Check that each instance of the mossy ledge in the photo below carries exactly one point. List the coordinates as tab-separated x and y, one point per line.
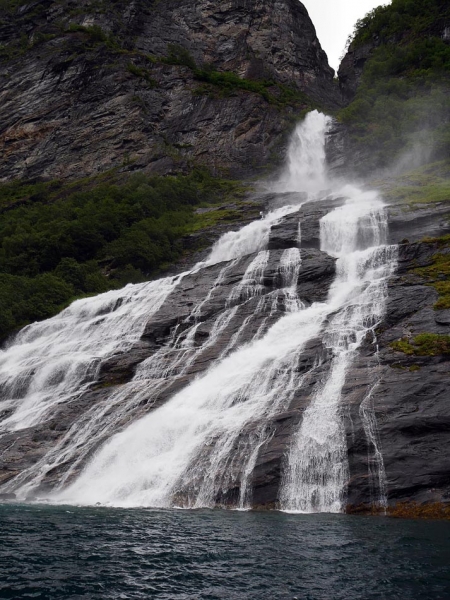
437	274
425	344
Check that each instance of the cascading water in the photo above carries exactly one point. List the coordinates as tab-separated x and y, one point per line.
306	161
53	361
204	441
355	233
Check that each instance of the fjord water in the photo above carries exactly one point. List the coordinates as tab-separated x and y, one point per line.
59	553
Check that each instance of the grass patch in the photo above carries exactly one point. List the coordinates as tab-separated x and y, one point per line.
425	344
438	273
214	217
428	184
421	194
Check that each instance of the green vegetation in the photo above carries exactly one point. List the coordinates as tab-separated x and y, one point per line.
411	369
438	273
179	56
425	185
96	36
142	73
93	34
11	5
210	218
413	16
425	344
62	241
403	99
224	83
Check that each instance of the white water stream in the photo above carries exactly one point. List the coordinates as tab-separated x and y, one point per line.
206	439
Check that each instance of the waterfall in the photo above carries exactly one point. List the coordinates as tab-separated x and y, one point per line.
54	361
355	233
200	447
305	169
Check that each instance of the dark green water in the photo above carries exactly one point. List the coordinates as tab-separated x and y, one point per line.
101	553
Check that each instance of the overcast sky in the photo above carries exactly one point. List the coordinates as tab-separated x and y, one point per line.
334	21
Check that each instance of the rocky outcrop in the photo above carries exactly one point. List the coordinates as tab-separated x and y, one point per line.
286	233
405	399
395	406
97	87
352	66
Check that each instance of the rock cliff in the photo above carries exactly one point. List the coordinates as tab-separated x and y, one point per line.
154	86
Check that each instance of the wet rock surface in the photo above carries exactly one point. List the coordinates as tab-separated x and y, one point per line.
403	399
286	233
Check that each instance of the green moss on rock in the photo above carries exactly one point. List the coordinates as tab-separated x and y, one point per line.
425	344
437	274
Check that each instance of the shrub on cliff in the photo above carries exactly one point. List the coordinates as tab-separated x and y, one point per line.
403	98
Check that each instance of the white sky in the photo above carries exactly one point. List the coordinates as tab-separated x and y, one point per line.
334	21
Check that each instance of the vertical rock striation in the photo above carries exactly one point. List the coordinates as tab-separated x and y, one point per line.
99	86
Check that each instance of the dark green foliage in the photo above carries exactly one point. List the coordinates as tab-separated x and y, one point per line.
96	36
179	56
230	81
59	241
402	16
403	99
142	73
223	83
23	299
95	32
437	273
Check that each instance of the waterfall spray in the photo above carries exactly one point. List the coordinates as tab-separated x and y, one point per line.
305	170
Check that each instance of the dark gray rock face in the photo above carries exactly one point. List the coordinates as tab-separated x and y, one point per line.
87	91
347	158
287	234
352	66
395	406
414	224
406	397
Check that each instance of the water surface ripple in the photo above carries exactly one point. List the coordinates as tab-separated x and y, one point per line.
102	553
